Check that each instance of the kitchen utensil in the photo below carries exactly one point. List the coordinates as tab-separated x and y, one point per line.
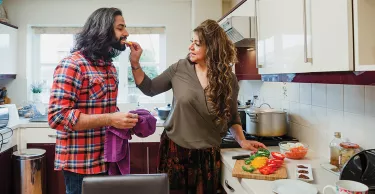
361	168
266	122
163	112
238	172
290	186
239	157
349	187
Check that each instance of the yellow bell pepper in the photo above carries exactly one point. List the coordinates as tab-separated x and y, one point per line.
259	162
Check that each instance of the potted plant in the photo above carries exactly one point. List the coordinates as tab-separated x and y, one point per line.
36	89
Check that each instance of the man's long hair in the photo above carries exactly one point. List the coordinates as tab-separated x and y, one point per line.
94	41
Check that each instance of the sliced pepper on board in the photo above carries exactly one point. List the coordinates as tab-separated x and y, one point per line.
251	169
263	152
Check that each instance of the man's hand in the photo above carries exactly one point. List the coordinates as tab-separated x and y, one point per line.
122	120
135	54
251	145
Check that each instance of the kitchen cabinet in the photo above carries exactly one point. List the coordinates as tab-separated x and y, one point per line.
8	49
6	174
144	157
144	153
246	68
300	36
55	179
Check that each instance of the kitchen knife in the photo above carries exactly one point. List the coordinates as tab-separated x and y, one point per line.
240	157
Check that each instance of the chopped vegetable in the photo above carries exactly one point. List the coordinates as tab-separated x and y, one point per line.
251	169
263	152
278	155
296	153
266	170
259	162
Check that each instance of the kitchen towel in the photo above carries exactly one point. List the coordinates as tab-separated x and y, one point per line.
116	146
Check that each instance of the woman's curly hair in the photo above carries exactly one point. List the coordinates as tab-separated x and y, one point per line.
220	56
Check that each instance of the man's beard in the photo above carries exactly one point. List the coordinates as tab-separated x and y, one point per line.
116	48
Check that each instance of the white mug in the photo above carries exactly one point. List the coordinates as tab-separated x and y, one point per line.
347	187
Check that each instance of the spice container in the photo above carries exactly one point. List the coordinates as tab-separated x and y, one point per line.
346	152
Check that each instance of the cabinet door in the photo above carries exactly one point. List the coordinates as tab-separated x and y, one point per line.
152	159
284	44
138	156
55	179
332	35
8	49
364	31
6	174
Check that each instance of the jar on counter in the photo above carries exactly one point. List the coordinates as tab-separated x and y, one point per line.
346	152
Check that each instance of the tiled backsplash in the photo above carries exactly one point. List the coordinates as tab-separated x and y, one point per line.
316	111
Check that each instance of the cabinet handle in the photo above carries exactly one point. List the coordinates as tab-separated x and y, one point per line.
52	136
307	60
148	161
257	36
228	186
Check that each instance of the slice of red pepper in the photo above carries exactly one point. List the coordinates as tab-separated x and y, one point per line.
266	170
278	155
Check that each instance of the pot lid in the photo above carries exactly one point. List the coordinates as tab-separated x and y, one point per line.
26	154
263	110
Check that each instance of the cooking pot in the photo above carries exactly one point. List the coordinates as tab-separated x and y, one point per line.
163	112
266	122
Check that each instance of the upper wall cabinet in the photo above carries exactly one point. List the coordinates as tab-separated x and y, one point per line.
8	49
299	36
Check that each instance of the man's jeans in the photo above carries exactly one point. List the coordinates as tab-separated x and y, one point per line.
73	181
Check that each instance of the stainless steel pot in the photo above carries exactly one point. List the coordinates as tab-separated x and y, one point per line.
266	122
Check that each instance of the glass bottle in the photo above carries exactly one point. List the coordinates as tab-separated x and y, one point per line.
335	149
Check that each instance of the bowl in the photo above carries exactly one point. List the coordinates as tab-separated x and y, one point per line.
293	149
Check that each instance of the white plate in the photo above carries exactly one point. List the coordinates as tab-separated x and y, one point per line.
291	186
309	169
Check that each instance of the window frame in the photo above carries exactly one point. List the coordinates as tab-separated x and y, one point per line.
36	73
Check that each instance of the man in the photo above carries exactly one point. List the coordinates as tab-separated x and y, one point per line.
83	98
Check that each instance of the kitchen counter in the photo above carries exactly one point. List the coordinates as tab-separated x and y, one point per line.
25	123
252	186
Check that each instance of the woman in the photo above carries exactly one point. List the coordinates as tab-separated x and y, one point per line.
204	106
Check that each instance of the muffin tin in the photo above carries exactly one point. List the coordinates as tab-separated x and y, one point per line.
304	172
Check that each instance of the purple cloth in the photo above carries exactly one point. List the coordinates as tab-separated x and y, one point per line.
116	146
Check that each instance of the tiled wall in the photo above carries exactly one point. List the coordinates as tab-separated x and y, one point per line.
316	111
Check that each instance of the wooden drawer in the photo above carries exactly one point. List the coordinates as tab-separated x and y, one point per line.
229	183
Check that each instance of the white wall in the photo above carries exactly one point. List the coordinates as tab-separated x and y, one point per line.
205	9
175	15
316	111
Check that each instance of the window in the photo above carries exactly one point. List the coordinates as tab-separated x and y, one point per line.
50	45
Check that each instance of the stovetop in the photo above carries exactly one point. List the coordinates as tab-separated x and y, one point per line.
229	142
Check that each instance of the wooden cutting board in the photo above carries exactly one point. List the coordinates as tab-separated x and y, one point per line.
237	171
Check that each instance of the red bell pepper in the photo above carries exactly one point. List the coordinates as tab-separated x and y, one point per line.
266	170
278	155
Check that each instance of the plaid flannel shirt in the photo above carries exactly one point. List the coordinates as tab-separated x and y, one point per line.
81	86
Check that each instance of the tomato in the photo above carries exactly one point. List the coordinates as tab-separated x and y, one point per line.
278	155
